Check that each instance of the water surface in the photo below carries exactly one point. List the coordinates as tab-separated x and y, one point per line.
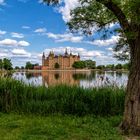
83	79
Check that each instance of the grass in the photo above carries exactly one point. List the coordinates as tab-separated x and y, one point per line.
58	127
15	96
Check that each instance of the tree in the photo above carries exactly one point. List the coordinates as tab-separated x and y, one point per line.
79	65
22	67
118	66
126	66
110	67
90	64
29	65
7	65
17	67
1	63
101	67
125	12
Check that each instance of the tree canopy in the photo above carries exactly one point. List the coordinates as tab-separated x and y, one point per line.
5	64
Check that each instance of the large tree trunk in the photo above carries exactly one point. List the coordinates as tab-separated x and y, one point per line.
131	119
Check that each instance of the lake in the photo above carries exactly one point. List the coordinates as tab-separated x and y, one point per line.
84	79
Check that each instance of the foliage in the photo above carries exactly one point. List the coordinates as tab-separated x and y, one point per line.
110	66
101	67
16	96
79	64
22	67
118	66
1	64
58	127
29	65
5	64
126	66
90	64
114	67
17	67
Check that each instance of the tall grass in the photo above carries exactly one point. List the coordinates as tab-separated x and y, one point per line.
15	96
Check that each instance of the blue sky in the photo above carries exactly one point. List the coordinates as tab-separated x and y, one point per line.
28	28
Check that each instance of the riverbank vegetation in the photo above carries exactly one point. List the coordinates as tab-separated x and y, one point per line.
15	96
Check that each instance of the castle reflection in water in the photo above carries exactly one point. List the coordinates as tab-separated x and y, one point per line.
57	78
82	79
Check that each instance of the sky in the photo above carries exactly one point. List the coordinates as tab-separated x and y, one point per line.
28	28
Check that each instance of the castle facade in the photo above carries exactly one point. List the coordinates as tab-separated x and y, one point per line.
53	61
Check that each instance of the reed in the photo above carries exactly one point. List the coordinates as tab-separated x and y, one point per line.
16	96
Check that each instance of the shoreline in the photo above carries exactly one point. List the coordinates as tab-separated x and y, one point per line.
76	70
67	70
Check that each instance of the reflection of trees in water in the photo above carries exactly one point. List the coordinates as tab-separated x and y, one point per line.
119	74
92	75
79	76
29	75
83	76
22	73
112	74
56	75
101	72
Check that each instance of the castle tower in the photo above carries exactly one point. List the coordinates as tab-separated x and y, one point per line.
43	59
70	53
78	55
66	52
51	54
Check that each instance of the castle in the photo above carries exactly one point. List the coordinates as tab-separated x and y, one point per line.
59	61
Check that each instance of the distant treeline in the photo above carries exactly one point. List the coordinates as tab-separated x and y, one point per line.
125	66
92	65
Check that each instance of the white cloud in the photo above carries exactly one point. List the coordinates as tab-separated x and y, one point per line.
112	41
17	35
26	27
8	42
2	32
40	30
65	37
109	49
23	43
20	52
68	6
2	55
2	2
11	42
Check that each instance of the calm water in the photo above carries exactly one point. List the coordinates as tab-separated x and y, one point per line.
83	79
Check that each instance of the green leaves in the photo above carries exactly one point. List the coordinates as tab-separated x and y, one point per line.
89	15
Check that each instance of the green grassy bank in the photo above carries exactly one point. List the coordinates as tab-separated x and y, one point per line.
15	96
52	127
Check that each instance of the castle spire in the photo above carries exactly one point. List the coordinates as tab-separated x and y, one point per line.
43	56
78	55
70	52
66	52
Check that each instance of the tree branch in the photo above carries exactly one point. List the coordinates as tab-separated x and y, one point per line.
118	13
